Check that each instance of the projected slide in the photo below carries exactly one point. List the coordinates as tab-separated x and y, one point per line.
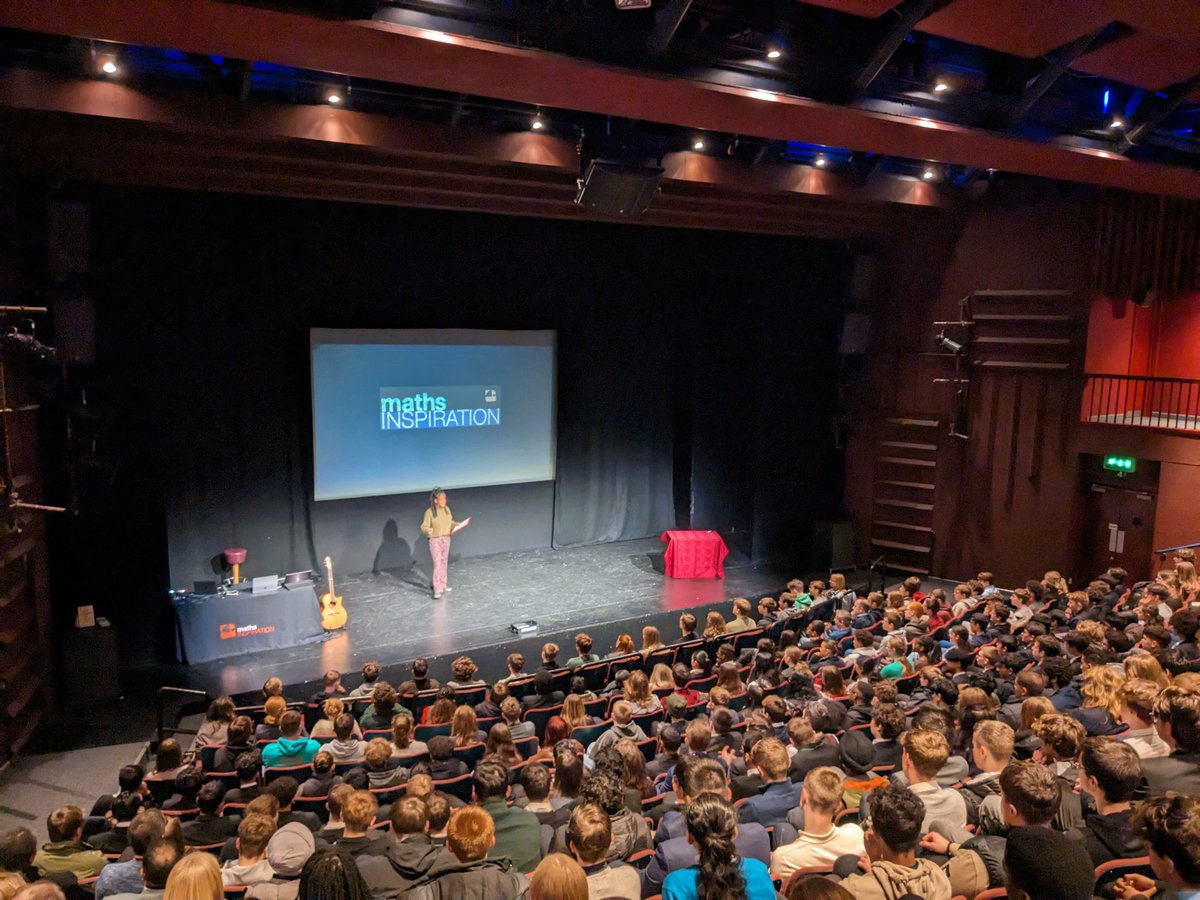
397	412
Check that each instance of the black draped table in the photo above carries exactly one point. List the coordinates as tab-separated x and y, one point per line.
215	626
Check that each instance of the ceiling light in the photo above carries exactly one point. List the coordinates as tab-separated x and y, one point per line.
698	145
774	53
941	86
821	161
1117	123
538	123
109	67
107	64
929	174
334	98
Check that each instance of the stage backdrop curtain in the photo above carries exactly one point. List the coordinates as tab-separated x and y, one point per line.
616	392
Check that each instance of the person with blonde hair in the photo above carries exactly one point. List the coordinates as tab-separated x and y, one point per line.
331	709
1101	706
195	877
1054	583
574	713
558	877
273	710
820	842
403	745
464	727
637	692
651	640
661	678
742	620
1137	696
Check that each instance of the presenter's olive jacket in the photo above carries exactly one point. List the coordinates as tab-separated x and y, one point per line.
437	526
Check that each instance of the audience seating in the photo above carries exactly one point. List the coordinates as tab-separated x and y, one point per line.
459	787
597	675
1109	872
539	716
586	734
471	753
424	732
299	772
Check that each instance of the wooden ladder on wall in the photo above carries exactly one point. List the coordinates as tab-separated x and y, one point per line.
905	485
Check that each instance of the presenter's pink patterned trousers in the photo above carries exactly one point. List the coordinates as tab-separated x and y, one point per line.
439	548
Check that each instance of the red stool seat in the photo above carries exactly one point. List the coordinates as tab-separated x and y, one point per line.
235	556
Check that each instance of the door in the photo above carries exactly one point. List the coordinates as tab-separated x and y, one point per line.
1118	531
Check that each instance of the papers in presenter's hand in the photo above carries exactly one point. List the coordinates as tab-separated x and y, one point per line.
461	525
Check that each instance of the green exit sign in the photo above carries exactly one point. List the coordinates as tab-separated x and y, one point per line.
1120	463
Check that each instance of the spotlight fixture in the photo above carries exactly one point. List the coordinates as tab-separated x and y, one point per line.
929	174
1117	123
538	122
774	53
941	86
106	64
820	162
333	98
108	67
945	343
698	144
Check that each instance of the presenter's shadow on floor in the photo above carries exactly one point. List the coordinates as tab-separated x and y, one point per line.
406	563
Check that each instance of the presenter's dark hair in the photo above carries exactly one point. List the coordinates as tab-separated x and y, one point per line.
433	495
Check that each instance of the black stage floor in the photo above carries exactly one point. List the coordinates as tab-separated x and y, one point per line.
604	589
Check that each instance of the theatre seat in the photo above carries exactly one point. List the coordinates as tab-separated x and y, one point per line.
586	734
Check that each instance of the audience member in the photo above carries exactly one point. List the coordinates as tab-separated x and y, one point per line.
711	829
515	829
820	842
471	869
66	851
892	866
589	839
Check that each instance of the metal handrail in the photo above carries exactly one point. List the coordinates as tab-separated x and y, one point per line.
161	728
1163	551
1142	401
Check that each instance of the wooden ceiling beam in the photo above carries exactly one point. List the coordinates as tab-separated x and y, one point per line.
414	56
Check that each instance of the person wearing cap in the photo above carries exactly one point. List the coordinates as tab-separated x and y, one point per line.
857	757
287	851
676	707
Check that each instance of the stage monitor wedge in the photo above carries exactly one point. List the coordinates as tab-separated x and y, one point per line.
618	189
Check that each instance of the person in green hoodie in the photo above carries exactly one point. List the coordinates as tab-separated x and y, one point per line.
66	851
291	749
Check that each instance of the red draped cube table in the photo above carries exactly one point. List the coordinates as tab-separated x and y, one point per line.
695	554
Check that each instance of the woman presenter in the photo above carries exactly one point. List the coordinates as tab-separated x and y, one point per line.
437	525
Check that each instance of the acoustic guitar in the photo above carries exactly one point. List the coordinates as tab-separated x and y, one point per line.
333	614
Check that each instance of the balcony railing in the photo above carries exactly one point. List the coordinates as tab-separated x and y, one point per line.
1138	401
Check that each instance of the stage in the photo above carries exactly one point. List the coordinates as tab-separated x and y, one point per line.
603	589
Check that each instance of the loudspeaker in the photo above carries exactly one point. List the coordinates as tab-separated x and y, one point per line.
856	334
74	327
615	189
862	276
68	239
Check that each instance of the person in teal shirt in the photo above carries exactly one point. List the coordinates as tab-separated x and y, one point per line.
292	748
711	829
